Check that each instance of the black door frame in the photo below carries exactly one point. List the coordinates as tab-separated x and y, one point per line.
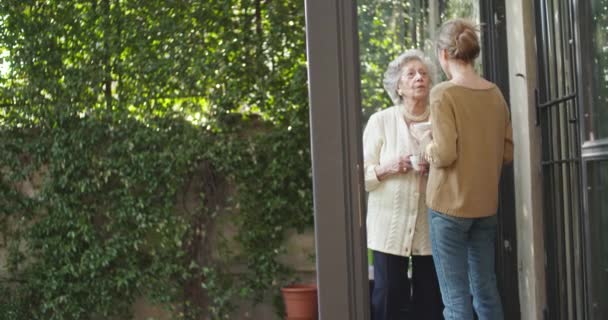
493	16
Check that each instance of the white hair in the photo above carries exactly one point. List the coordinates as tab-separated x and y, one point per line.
393	72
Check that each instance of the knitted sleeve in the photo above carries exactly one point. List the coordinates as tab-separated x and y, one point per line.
373	139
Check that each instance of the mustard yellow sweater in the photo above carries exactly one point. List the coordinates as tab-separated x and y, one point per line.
472	139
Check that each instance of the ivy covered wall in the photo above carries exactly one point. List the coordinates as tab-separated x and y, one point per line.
110	112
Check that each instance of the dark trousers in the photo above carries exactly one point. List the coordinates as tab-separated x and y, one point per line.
396	297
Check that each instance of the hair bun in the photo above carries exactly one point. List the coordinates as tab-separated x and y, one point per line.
467	45
459	38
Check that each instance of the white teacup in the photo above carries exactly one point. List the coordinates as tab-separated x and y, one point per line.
415	160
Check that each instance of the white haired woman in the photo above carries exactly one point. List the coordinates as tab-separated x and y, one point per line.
397	228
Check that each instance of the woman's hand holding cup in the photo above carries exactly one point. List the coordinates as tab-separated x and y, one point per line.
396	166
399	165
418	163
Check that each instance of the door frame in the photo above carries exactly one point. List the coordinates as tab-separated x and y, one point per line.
336	148
493	17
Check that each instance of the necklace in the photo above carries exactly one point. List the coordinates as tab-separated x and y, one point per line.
415	117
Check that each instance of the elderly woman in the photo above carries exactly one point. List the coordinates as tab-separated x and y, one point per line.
397	227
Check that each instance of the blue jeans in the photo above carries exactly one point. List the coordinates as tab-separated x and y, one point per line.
463	251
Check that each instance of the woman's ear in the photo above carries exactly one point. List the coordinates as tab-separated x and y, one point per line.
443	54
399	91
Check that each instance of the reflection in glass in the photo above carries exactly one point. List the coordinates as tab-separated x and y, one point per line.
389	27
597	125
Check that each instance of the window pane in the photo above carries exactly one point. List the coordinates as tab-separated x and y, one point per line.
597	124
598	214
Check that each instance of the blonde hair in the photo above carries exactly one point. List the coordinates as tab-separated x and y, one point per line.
459	37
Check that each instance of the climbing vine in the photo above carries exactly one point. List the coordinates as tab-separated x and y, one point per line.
129	130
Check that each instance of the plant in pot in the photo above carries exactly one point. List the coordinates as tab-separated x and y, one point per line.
299	289
300	301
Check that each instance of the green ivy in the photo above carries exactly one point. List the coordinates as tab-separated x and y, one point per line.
386	29
124	125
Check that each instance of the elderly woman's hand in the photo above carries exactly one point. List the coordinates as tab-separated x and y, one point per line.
424	166
399	165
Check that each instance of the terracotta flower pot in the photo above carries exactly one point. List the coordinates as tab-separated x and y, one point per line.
300	301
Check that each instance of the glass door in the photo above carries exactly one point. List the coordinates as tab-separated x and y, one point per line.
594	50
333	43
389	27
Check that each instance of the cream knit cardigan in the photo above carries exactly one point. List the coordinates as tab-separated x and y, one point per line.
396	211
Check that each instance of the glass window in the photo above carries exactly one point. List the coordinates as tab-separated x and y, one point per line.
597	118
